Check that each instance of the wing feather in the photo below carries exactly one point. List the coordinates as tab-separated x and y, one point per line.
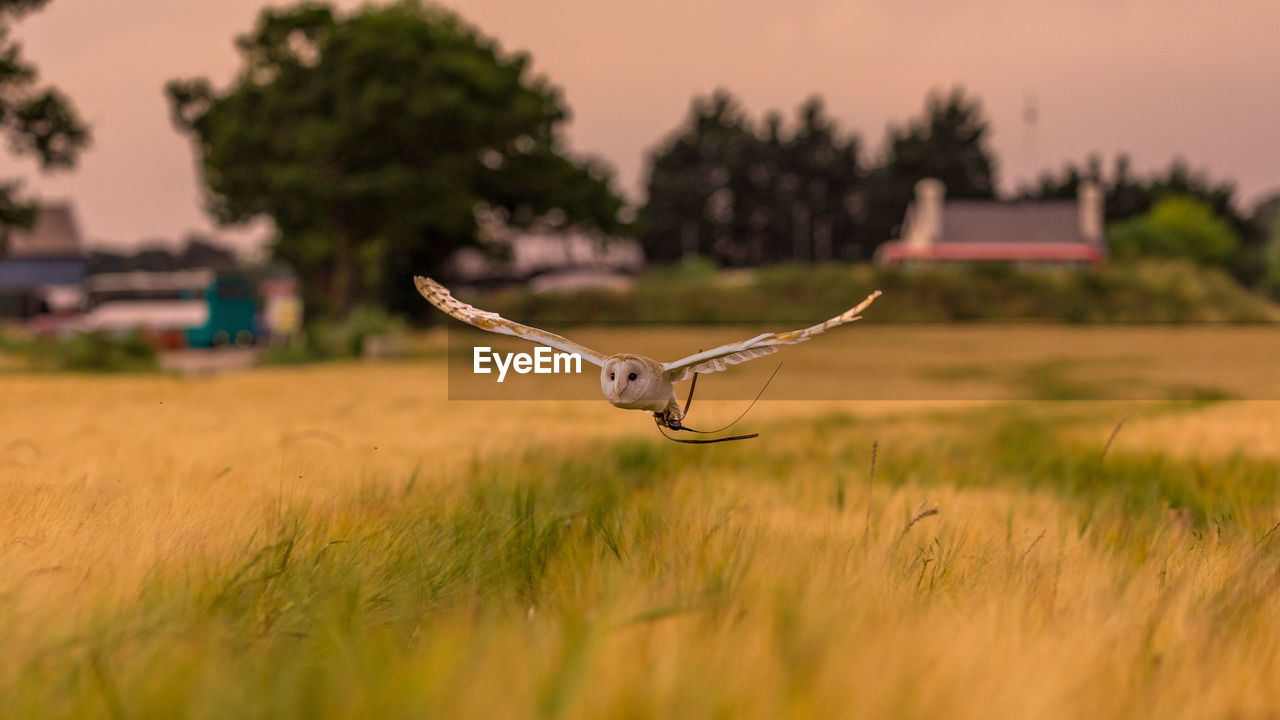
438	295
717	359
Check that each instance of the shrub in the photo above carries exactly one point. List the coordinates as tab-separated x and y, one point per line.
1177	227
94	352
11	343
328	340
1271	259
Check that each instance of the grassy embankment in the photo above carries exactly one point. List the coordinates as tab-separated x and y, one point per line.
1149	291
341	541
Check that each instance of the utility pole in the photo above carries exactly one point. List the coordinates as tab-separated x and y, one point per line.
1030	151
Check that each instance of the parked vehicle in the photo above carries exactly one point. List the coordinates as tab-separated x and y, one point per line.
193	308
230	317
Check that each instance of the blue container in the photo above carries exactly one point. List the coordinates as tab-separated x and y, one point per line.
232	314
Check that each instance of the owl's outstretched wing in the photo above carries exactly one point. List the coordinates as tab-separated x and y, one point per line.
438	295
719	358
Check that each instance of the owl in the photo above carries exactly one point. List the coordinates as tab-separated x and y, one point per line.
636	382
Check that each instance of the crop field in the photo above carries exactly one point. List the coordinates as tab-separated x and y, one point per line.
342	540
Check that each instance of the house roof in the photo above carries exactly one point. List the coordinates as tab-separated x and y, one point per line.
984	230
24	273
977	221
54	234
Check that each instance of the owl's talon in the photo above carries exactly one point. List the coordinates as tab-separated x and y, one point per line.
666	420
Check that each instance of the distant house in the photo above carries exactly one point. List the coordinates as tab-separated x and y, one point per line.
41	268
1043	233
545	260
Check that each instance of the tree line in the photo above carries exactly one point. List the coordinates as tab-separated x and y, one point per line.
375	139
746	193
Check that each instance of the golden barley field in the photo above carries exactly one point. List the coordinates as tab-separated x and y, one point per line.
341	540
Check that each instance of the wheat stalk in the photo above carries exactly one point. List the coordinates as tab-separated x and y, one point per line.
866	528
917	515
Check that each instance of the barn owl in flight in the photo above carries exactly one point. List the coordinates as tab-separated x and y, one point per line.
636	382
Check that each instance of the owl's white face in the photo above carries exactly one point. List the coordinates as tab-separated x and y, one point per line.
627	380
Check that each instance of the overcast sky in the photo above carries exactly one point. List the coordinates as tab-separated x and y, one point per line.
1155	78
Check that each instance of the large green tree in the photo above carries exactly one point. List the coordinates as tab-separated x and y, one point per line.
38	120
825	177
696	179
722	186
373	139
950	141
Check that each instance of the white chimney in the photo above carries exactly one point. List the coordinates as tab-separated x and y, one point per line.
926	218
1091	210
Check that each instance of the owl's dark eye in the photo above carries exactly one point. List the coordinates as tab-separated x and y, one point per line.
610	376
632	376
